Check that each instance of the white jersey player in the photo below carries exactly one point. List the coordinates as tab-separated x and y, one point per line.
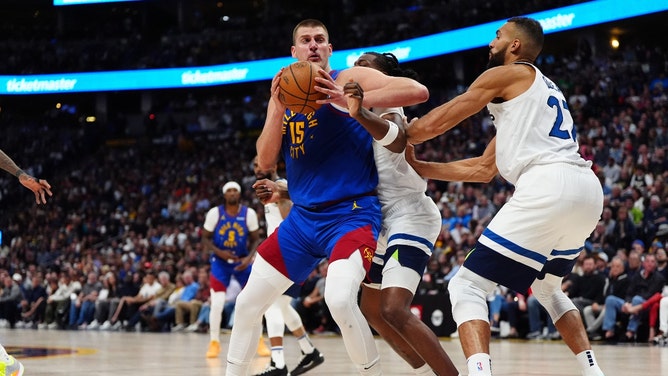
411	224
534	240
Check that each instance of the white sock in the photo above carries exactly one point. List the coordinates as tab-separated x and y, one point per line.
277	356
423	370
305	344
479	364
588	363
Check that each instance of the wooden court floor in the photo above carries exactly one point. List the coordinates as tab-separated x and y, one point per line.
90	353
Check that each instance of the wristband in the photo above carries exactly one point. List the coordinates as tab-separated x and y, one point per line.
391	135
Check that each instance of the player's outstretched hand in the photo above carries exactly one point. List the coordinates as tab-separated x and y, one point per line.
354	97
267	191
40	187
328	86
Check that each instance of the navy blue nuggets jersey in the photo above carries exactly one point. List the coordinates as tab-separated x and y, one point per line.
328	137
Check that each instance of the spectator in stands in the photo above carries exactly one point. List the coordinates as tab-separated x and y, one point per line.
154	305
509	305
662	262
616	285
587	288
432	280
129	305
58	303
653	216
82	309
33	305
107	301
612	171
633	263
193	306
624	231
643	285
165	318
10	298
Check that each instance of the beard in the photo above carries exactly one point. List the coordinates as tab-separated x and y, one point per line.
496	59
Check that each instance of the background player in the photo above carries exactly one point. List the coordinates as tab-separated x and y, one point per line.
40	187
231	233
534	240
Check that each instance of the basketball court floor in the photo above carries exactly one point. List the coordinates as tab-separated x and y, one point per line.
91	353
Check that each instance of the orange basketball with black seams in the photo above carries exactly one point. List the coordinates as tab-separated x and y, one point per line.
297	87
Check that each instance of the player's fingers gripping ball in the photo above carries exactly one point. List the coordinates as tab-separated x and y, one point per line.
297	87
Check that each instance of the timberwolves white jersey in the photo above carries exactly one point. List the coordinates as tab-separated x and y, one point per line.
272	215
534	128
396	178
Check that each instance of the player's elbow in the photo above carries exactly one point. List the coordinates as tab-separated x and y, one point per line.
421	94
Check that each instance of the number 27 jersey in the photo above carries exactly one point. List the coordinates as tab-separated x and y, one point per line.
534	128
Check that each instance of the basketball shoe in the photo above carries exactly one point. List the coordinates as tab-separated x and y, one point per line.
307	362
271	370
11	367
214	349
262	349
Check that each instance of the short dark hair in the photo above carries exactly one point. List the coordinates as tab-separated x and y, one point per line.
309	22
533	30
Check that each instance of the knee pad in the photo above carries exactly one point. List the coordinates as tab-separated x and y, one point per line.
468	296
549	294
346	275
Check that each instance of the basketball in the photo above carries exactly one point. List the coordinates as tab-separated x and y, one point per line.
297	87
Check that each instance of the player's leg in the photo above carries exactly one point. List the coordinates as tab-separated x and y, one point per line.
567	320
579	209
497	258
412	225
311	357
264	286
401	277
370	304
347	275
219	279
273	318
468	295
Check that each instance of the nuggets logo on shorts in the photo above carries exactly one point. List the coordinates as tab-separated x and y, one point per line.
367	254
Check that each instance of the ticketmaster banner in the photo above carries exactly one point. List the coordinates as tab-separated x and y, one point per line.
555	20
